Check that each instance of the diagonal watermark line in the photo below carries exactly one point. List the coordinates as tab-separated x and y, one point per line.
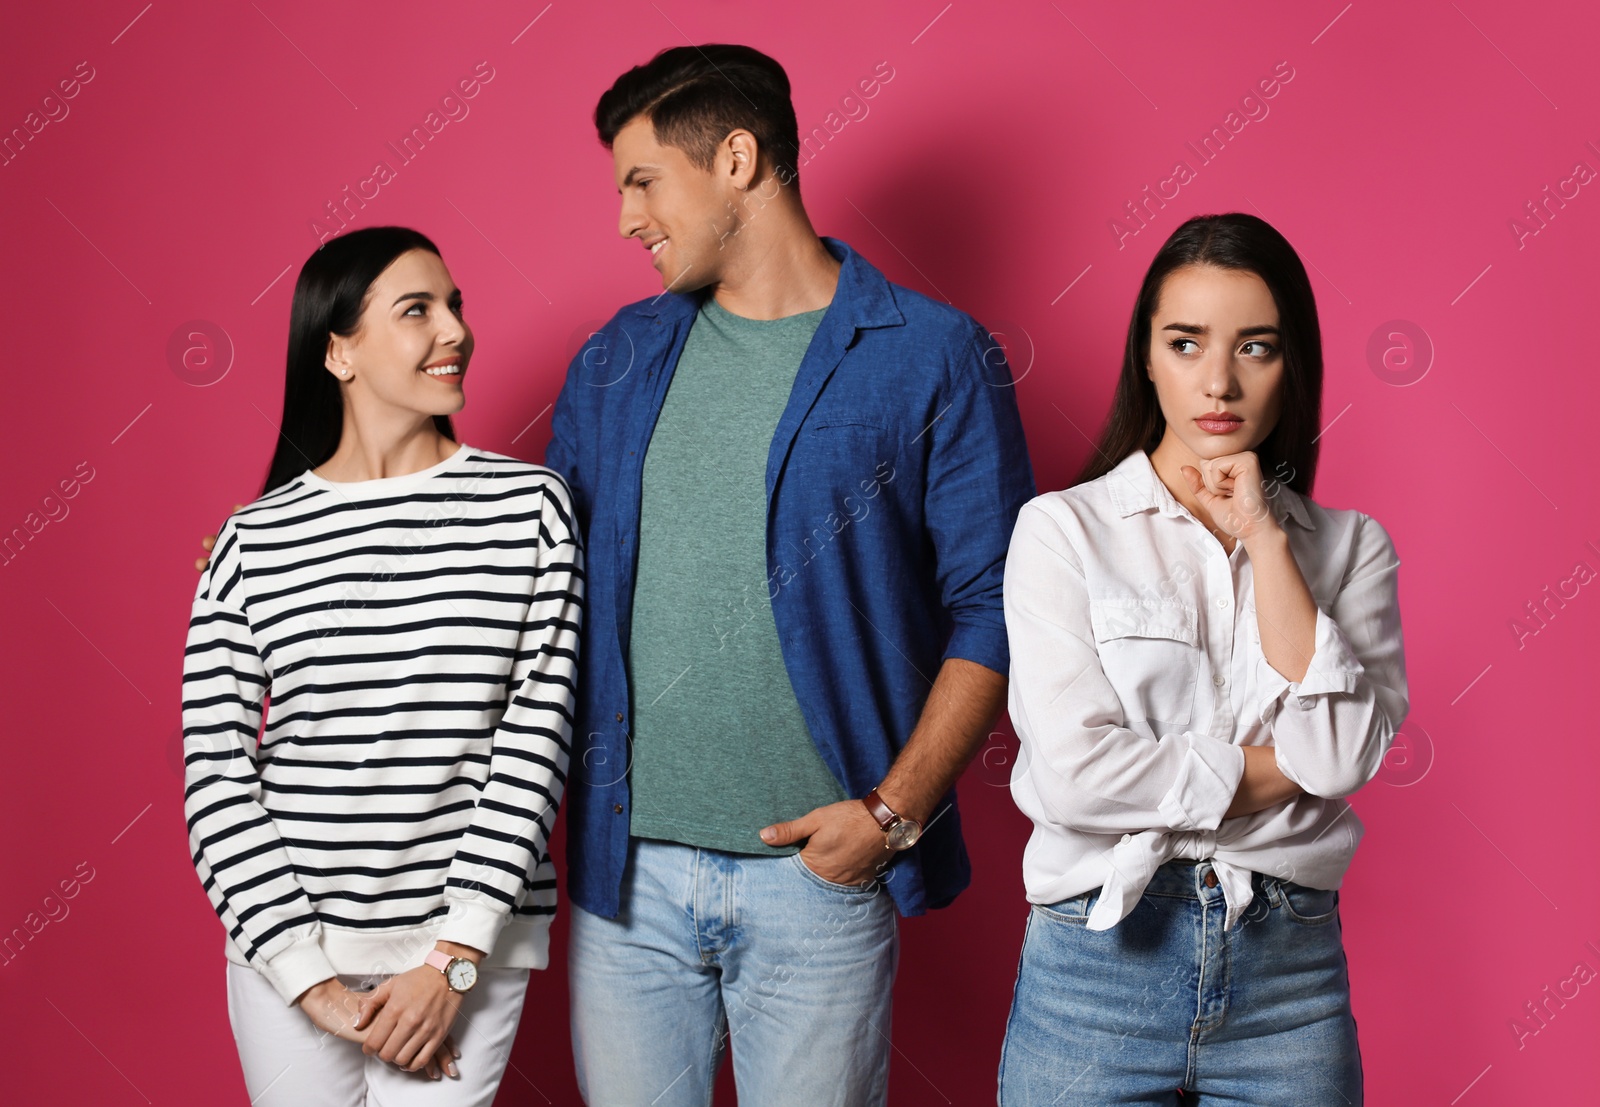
274	281
932	21
1468	688
303	54
702	53
535	19
96	1048
931	422
497	249
879	1031
889	640
136	19
1307	260
664	291
129	827
1331	825
1092	443
675	680
897	250
687	1069
1069	287
1504	854
509	1063
99	251
97	649
1331	22
1102	53
1468	1088
1503	54
1325	277
270	1083
529	427
1502	453
1334	420
135	419
1475	280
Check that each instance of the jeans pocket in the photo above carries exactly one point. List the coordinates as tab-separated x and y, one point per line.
1074	911
1309	906
848	889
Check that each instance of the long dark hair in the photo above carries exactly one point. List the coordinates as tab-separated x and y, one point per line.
328	299
1231	241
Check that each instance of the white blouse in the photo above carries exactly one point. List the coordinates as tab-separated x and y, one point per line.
1137	673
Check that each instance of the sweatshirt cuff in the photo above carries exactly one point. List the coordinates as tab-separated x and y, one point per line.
1207	780
473	924
297	968
1334	667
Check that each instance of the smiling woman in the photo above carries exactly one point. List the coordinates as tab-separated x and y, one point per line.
372	309
376	845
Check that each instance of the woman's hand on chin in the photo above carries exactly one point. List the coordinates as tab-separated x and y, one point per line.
1231	491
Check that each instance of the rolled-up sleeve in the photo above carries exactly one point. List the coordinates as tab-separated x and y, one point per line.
1089	770
978	479
1333	727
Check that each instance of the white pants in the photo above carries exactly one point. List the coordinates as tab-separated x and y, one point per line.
288	1062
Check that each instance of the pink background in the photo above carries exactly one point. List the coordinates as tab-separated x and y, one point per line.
180	185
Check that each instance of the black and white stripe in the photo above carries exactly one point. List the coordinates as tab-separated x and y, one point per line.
419	642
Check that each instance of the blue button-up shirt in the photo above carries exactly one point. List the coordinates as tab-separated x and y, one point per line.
893	481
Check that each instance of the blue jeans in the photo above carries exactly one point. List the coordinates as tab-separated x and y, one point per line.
1165	1000
710	947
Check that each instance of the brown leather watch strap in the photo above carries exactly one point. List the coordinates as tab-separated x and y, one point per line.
879	810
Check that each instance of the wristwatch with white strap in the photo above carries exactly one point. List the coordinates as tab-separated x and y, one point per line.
459	973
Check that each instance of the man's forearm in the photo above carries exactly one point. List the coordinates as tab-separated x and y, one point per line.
965	699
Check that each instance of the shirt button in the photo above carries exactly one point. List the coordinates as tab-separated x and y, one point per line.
1211	879
619	716
617	807
1127	837
1219	680
1223	602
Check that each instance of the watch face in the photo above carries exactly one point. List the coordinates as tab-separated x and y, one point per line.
462	974
904	834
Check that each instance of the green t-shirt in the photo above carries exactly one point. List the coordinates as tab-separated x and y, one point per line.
720	748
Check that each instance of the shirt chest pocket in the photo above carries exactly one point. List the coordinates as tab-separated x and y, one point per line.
848	458
1150	652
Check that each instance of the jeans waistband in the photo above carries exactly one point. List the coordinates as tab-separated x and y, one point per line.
1183	877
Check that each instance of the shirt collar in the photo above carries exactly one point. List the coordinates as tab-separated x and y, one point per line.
1134	486
863	295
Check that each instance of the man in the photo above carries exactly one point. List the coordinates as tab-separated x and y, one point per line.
797	482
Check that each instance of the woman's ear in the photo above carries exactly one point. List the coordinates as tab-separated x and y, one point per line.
337	358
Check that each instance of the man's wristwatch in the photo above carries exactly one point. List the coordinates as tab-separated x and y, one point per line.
901	831
459	973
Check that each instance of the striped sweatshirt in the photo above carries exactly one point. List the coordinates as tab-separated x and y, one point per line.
410	644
